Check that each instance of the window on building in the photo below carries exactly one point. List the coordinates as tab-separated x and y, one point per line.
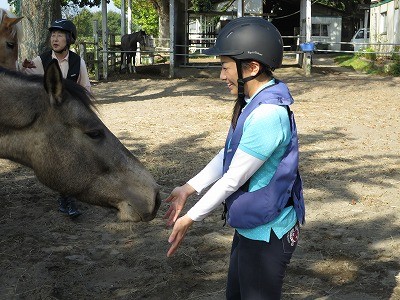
319	29
383	23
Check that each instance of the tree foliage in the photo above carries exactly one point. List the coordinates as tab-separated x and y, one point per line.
202	5
83	3
113	21
144	16
84	24
345	5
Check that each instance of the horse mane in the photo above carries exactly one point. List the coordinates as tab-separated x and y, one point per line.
77	91
16	29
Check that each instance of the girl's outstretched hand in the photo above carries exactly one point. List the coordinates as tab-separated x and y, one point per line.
181	226
177	200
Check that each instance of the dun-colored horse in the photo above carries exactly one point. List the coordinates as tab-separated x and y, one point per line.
10	34
53	129
129	43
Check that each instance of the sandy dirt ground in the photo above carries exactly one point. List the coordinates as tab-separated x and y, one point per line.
349	133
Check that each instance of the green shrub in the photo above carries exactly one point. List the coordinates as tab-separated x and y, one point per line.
394	68
369	54
396	54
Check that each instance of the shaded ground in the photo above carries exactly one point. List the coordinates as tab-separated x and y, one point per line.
350	159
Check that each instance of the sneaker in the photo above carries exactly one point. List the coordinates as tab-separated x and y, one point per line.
68	206
63	204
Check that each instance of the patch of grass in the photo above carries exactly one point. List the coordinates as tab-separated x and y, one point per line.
355	62
362	62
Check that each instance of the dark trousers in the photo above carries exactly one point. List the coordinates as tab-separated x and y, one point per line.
257	268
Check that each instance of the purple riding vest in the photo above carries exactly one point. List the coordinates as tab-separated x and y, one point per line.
251	209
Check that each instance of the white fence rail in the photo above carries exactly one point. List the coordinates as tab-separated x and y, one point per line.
160	50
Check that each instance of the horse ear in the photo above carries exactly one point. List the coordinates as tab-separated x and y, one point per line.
53	82
8	22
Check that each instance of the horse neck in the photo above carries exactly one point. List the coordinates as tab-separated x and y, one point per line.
17	117
133	40
14	147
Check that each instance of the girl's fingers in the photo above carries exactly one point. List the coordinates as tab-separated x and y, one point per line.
169	199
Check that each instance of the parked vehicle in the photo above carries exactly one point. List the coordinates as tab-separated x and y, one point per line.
360	39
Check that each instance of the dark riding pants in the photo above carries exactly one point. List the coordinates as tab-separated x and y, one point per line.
257	268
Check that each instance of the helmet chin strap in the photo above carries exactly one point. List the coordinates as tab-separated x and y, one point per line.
241	81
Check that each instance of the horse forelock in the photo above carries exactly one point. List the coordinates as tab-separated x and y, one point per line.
16	29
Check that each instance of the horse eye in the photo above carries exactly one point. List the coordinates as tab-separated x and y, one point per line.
95	134
10	45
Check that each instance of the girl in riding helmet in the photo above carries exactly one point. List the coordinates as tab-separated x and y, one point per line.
62	34
256	174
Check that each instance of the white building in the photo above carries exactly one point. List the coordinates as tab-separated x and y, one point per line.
384	24
327	31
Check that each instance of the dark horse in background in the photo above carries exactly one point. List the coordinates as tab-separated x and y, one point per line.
129	44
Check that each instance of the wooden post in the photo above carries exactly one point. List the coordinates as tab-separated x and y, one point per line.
82	50
129	16
307	56
112	54
307	63
123	18
104	37
171	38
96	49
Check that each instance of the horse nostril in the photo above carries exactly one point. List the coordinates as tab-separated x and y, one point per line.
158	202
151	215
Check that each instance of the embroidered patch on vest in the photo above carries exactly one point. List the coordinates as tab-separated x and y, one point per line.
293	235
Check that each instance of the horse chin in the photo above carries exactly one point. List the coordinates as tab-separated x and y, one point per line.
126	213
131	205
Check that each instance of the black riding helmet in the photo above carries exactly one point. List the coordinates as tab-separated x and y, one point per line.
250	38
67	26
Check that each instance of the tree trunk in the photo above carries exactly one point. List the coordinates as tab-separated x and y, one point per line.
38	16
163	10
162	7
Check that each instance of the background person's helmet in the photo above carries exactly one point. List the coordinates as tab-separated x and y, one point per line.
65	25
250	38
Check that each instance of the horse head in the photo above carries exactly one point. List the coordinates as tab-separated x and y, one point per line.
142	38
10	31
54	129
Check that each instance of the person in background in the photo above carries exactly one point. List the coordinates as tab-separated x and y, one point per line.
256	175
63	33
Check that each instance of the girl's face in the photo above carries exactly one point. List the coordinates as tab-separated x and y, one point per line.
230	76
58	40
